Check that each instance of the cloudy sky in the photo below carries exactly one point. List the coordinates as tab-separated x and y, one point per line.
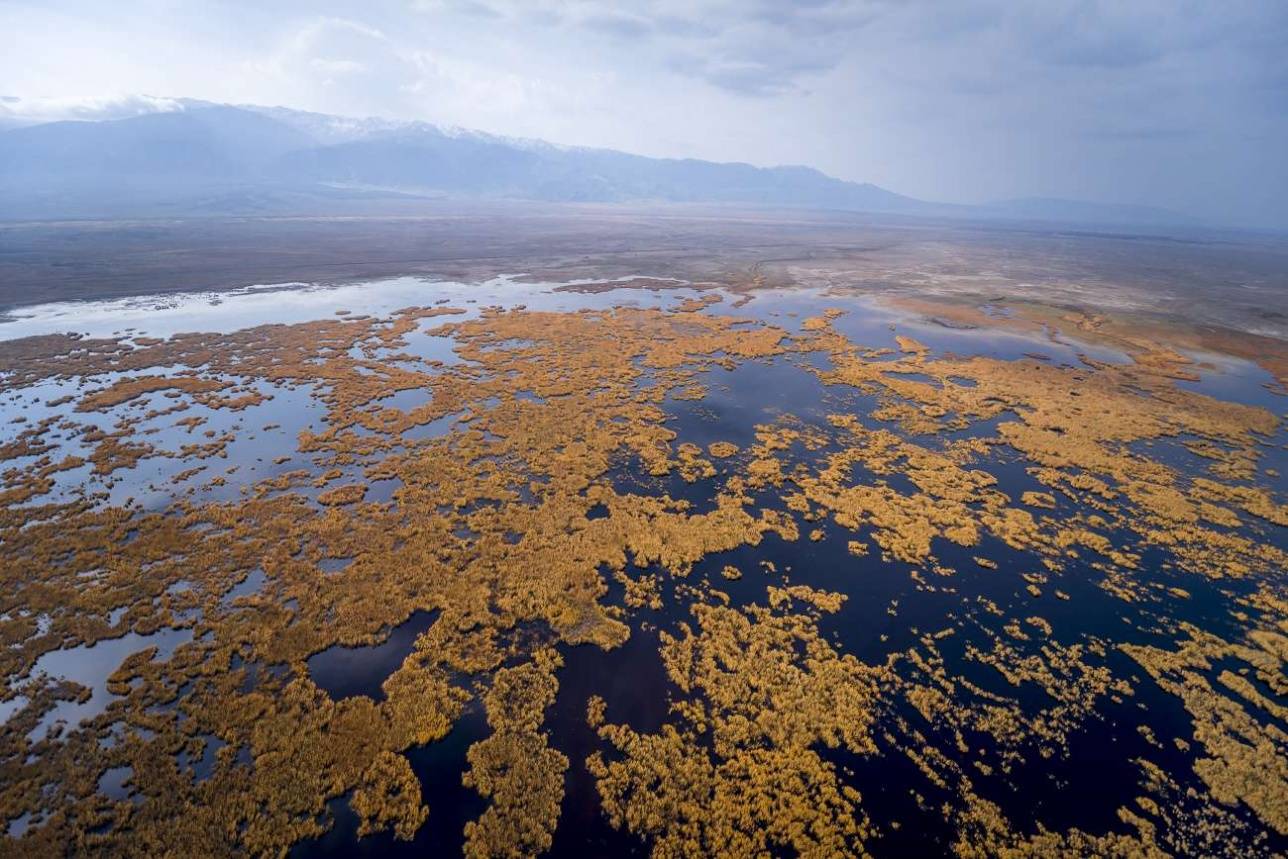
1178	104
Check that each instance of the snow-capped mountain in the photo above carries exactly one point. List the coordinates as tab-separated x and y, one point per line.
186	156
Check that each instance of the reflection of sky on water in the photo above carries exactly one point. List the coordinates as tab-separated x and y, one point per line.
630	679
90	666
233	310
1236	380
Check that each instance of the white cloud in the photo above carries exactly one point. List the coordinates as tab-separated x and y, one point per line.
16	110
1151	102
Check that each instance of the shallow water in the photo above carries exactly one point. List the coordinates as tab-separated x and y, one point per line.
90	666
286	303
889	604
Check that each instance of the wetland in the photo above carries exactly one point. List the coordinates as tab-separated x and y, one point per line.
552	561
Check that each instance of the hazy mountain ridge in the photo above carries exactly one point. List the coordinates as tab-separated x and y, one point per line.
208	158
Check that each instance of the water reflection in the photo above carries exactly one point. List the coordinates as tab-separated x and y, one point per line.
889	606
90	665
347	671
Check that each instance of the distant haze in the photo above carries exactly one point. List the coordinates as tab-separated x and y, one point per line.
197	158
1178	105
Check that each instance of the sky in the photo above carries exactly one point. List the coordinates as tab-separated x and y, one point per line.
1176	104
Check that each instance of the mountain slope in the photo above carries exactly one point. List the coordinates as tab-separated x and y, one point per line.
218	159
198	146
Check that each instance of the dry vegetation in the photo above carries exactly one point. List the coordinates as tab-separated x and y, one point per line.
511	526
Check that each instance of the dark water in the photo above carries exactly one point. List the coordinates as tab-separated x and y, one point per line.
1083	786
347	671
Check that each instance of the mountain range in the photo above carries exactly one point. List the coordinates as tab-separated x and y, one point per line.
213	159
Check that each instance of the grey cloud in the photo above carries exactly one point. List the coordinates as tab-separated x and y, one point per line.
480	10
744	78
1078	42
617	25
822	18
759	48
688	28
543	18
473	8
18	110
1175	103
